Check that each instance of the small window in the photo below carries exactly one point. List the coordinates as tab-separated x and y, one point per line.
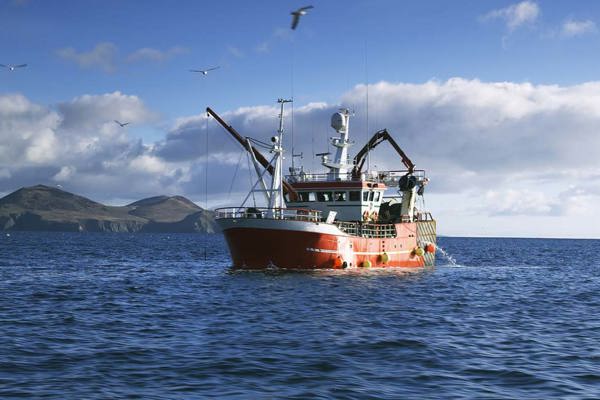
340	196
354	196
324	196
312	196
302	197
377	195
365	196
371	196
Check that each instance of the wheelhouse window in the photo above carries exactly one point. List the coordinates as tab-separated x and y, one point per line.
340	196
324	196
365	196
303	197
377	196
354	196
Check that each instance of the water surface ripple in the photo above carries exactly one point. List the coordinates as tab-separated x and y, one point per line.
158	317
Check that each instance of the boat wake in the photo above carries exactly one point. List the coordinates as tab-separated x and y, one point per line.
447	257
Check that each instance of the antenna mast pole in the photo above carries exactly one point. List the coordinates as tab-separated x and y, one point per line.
367	111
276	202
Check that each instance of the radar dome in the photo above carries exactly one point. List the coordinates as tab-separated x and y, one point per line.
338	122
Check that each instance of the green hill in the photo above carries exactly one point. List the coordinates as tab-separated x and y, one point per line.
45	208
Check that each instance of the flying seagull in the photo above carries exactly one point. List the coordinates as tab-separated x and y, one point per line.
12	67
204	71
122	124
297	14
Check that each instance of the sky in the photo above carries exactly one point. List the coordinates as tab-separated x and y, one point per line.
498	100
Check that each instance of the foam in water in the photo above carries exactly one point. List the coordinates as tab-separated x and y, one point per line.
451	260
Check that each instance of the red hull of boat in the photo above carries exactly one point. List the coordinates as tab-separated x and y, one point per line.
260	248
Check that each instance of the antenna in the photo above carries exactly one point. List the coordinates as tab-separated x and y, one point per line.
282	102
367	105
293	45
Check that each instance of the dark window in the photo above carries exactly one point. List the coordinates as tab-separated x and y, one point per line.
324	196
354	196
371	196
365	196
303	197
340	196
377	195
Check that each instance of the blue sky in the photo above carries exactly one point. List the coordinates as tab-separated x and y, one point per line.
474	78
404	41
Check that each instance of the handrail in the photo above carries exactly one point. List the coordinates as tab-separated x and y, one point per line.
292	214
368	230
386	177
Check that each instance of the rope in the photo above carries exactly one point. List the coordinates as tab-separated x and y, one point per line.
235	174
250	177
206	186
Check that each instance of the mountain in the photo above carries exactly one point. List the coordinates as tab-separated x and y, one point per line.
45	208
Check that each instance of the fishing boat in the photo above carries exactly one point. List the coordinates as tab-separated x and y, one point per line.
349	216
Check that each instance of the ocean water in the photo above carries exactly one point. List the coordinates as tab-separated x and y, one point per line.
158	316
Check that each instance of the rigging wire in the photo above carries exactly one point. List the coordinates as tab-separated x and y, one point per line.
250	177
367	105
259	143
206	186
235	174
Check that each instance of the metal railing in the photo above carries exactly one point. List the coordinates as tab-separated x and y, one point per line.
424	216
362	229
387	177
368	230
292	214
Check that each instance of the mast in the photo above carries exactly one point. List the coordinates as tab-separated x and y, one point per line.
276	200
338	169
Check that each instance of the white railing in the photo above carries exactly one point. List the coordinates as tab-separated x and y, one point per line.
424	216
292	214
387	177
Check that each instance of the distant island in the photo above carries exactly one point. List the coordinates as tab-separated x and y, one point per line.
45	208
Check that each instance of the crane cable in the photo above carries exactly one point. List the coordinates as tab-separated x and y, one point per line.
206	186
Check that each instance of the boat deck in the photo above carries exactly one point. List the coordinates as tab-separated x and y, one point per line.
353	228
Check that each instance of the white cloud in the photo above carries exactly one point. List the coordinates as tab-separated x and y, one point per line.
278	35
151	54
234	51
96	113
518	202
263	47
80	146
27	132
101	56
573	27
105	56
64	174
516	15
498	149
150	164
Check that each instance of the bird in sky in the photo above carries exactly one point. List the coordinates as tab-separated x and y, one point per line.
204	71
12	67
121	124
297	14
